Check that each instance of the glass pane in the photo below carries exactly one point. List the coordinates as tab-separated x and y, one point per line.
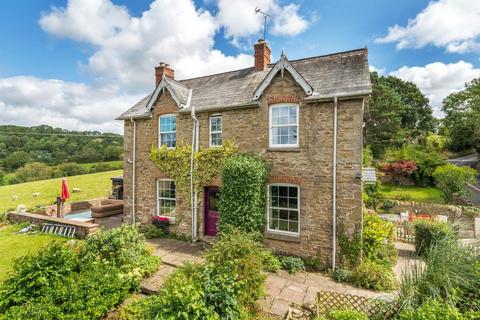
273	224
214	200
293	215
274	190
293	226
284	214
275	213
283	191
283	225
274	202
283	202
292	203
293	192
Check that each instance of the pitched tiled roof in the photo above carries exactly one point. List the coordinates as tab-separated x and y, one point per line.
343	73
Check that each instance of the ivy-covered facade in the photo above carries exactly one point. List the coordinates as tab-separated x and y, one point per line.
303	118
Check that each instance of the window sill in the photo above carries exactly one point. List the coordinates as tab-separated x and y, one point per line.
282	236
286	149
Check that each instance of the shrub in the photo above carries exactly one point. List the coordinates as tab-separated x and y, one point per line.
387	204
69	169
426	161
428	232
378	236
435	142
371	196
150	231
399	168
343	315
433	310
340	274
451	180
33	171
314	263
76	282
101	167
292	264
373	275
242	203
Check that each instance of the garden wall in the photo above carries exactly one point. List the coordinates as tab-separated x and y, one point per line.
455	214
83	228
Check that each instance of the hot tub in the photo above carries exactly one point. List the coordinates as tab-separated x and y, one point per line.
83	216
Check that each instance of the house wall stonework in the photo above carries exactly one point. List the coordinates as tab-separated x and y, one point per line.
309	166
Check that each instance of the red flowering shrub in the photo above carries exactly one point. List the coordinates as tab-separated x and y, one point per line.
399	168
161	223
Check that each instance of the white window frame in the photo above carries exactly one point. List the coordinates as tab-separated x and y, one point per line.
271	126
289	233
172	218
160	132
211	132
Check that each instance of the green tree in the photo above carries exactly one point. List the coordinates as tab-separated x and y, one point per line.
451	180
397	113
33	171
462	117
16	160
112	153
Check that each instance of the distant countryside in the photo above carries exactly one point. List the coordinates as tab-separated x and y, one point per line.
42	152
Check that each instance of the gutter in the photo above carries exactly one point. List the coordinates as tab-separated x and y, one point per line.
338	96
133	167
223	108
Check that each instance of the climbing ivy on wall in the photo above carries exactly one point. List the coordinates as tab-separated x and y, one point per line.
242	203
175	163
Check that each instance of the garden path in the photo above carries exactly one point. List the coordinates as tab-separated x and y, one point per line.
282	288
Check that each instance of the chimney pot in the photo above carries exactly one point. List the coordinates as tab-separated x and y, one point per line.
262	55
161	69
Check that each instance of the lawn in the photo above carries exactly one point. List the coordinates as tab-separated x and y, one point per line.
14	245
411	193
115	164
93	185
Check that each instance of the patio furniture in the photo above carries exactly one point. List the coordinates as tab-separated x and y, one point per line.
108	207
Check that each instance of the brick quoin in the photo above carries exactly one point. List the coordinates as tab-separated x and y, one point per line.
282	99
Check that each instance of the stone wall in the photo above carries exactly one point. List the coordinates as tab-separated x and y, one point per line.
455	214
83	228
309	166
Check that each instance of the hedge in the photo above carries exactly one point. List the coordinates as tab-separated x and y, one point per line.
242	203
428	232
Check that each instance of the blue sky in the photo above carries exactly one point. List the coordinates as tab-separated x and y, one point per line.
77	64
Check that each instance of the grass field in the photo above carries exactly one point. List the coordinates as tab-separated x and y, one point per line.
411	193
14	245
115	164
93	185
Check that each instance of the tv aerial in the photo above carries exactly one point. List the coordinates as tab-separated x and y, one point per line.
265	16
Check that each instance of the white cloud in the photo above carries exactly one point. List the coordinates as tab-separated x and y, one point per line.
437	80
239	19
451	24
380	71
33	101
126	49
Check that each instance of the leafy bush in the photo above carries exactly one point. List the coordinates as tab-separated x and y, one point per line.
451	180
373	275
387	204
371	196
378	236
343	315
101	167
399	168
428	232
435	142
292	264
69	169
150	231
33	171
226	286
426	161
76	282
433	310
450	272
314	263
340	274
242	203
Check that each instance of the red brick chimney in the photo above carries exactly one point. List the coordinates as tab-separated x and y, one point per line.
262	55
161	69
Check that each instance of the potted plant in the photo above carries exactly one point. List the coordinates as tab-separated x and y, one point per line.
161	223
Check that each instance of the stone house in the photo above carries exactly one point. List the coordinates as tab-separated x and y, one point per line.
304	117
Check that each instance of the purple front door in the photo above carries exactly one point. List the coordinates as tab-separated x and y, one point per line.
212	198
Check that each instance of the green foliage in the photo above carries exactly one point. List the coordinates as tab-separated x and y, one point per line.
242	203
69	169
21	145
450	272
367	156
436	143
433	310
426	161
343	315
397	113
451	180
226	286
341	274
150	231
378	236
370	195
123	247
373	275
208	164
292	264
428	233
77	282
462	117
33	171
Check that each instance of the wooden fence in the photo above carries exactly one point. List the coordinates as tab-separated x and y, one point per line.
328	301
405	231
